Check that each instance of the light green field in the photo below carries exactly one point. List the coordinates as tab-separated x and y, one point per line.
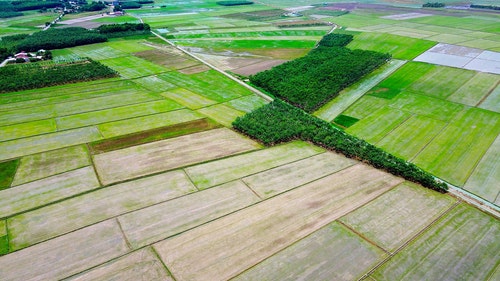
474	90
45	164
98	51
36	144
426	106
229	169
27	129
148	122
188	98
247	44
247	103
441	81
492	101
405	142
365	106
154	84
486	175
114	114
202	84
468	137
401	214
273	33
120	19
132	67
468	23
129	46
221	113
401	79
380	123
466	232
398	46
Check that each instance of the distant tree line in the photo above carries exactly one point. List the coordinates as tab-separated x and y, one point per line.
311	81
37	75
433	5
489	7
234	3
58	38
279	122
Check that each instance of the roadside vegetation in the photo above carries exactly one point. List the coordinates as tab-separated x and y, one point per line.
44	74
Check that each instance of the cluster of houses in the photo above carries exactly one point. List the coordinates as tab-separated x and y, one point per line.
27	57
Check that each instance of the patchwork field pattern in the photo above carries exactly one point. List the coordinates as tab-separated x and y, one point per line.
422	112
141	176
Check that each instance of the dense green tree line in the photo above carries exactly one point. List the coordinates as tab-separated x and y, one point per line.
234	3
433	5
335	40
34	5
489	7
37	75
280	122
10	14
311	81
93	6
112	28
56	38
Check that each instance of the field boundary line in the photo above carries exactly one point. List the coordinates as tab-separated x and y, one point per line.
413	238
254	90
129	245
388	253
251	189
488	94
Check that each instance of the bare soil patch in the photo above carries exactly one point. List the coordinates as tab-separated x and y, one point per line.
257	67
194	69
167	59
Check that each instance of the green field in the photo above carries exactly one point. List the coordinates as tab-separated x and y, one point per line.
468	136
398	46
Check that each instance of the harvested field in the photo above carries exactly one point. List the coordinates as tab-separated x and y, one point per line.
257	67
169	154
143	264
402	213
194	69
90	208
331	253
253	234
232	168
466	232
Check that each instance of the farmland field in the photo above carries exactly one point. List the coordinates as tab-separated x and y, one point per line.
142	176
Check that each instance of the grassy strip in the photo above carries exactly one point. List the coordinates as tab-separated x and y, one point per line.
280	122
39	75
4	245
7	172
152	135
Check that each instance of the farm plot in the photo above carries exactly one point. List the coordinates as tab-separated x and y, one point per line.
202	84
476	89
45	164
404	142
469	234
253	234
380	123
167	59
90	208
331	253
398	46
401	213
247	44
169	154
132	67
492	101
469	136
486	175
